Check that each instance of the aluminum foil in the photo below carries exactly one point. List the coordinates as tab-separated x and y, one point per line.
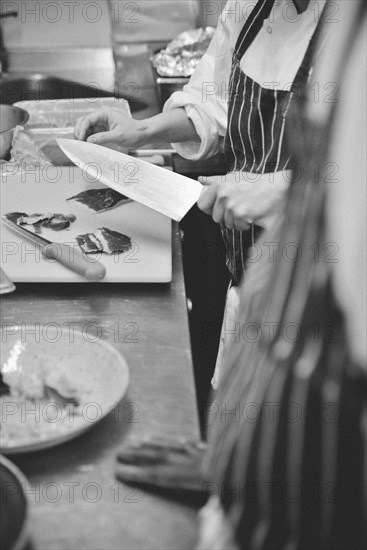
181	56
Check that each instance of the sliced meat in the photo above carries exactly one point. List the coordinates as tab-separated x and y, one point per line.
88	243
58	221
100	199
15	216
113	241
104	240
50	220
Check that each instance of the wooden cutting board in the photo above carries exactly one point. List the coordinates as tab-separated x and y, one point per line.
46	190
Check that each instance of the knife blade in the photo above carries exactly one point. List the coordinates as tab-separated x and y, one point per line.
68	256
166	192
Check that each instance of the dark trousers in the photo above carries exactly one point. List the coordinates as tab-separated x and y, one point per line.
206	280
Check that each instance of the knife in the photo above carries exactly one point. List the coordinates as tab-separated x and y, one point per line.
166	192
68	256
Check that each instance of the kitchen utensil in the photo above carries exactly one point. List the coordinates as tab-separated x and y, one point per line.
68	256
171	194
14	506
92	367
10	118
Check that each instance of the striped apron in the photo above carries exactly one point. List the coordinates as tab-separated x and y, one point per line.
254	143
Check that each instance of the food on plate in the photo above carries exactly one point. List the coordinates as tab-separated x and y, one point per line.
55	221
34	383
100	199
57	381
104	240
28	384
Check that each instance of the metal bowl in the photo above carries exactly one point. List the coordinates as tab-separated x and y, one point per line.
14	507
10	118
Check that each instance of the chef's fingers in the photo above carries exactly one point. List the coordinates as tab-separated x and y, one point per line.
156	442
86	125
207	199
187	447
148	452
218	210
207	180
170	447
241	217
241	226
137	474
105	137
142	456
228	218
165	477
81	129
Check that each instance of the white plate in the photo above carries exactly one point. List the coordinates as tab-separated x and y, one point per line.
91	365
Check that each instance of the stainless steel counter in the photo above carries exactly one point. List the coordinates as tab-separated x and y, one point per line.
162	386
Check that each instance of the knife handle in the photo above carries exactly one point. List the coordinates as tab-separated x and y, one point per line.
73	259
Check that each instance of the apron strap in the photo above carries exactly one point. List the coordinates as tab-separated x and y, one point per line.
252	26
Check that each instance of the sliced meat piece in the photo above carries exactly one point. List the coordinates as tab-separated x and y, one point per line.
113	241
58	221
100	199
88	243
52	221
15	216
104	240
32	219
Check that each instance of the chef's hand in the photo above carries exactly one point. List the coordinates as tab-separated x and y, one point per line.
239	199
162	463
106	125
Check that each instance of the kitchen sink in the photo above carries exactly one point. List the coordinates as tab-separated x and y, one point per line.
36	87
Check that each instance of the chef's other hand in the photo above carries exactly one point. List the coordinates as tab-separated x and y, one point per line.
107	125
167	464
239	199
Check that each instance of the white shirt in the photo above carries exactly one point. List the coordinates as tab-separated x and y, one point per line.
272	59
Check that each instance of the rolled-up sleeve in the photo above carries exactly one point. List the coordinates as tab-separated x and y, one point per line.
205	97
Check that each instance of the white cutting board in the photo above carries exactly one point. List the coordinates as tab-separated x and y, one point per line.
46	190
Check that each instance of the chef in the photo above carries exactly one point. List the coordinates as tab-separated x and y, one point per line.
280	471
238	98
